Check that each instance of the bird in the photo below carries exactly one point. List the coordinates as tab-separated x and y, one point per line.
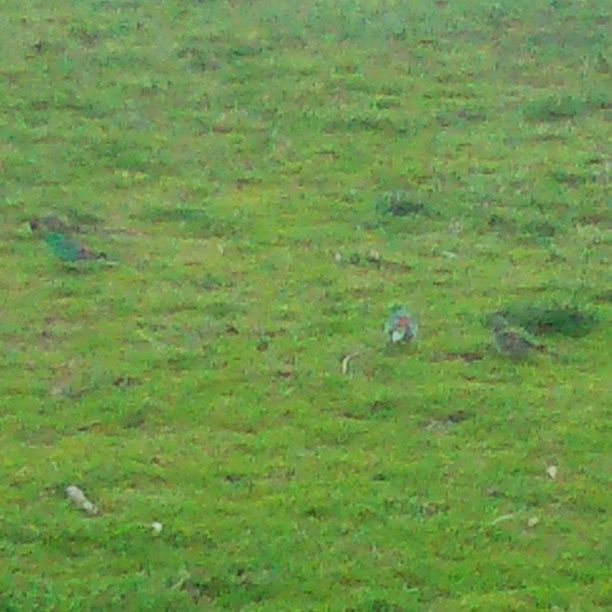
513	342
57	235
69	250
400	326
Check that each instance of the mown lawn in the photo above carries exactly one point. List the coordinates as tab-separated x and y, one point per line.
237	161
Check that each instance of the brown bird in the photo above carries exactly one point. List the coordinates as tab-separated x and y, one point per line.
513	342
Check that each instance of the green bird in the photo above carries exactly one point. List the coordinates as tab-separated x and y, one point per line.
512	342
56	234
68	250
400	326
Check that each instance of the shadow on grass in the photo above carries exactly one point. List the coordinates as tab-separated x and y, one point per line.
566	320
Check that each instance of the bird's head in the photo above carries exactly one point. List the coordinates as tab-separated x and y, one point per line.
48	223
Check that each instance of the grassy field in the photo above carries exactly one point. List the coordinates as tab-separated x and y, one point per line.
238	162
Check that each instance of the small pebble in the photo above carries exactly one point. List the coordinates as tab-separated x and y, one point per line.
78	498
157	527
552	471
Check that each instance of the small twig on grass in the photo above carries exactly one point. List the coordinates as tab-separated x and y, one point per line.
346	362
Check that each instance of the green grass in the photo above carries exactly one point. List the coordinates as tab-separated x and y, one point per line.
270	178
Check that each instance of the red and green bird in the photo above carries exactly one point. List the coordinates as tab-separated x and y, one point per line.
401	326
